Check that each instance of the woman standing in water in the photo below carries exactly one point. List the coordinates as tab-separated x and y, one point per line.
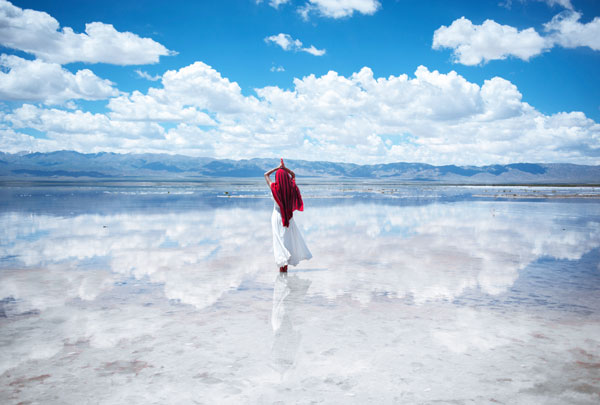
288	244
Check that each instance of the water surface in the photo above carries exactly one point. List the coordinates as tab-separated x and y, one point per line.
168	293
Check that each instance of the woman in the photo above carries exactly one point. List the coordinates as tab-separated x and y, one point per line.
288	244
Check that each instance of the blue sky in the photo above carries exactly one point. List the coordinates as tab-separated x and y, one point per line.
364	81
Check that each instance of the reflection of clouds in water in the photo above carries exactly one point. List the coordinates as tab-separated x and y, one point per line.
426	252
469	328
92	300
442	249
43	336
209	257
38	289
208	254
197	255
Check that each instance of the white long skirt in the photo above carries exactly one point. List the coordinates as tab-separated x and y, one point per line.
288	245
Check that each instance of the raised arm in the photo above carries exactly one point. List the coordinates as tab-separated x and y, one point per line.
267	174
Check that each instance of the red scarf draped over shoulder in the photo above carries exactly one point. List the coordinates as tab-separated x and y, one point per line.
286	195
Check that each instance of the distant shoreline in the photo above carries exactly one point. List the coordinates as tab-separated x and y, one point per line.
254	180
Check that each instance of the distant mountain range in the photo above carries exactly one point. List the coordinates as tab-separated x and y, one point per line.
70	165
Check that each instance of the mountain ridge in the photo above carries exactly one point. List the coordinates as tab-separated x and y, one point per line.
66	164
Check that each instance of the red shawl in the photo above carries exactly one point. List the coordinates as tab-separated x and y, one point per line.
287	195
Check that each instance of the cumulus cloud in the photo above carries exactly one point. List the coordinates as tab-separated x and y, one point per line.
277	69
12	142
339	8
38	33
432	117
140	107
76	130
566	30
61	122
474	44
49	83
201	86
287	43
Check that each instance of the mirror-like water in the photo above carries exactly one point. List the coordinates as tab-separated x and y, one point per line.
169	294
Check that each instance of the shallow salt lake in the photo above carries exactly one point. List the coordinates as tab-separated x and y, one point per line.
167	293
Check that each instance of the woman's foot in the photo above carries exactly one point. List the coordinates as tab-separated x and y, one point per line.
283	269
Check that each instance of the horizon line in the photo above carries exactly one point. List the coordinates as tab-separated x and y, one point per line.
25	153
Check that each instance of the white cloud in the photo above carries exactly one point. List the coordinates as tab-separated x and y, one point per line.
77	130
147	76
274	3
475	44
332	8
564	3
566	30
314	51
202	86
339	8
140	107
277	3
36	80
12	141
433	117
287	43
38	33
277	69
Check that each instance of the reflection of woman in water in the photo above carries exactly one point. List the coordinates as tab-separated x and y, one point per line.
288	244
288	293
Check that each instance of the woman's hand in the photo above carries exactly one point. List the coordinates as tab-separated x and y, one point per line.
282	166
